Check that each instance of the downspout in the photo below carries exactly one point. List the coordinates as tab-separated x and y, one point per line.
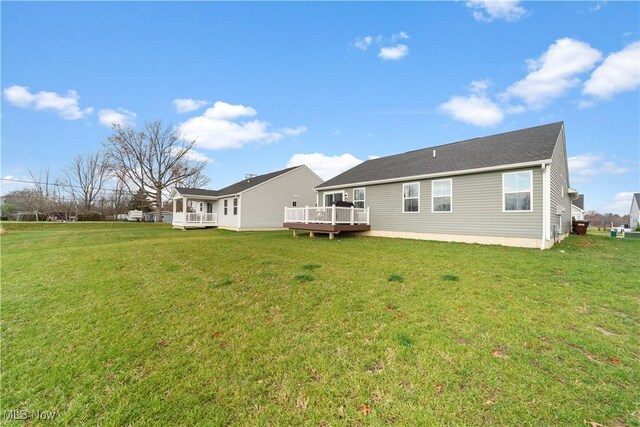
546	205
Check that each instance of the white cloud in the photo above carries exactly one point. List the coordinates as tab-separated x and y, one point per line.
325	166
491	10
185	105
619	204
584	166
121	117
293	131
223	111
598	6
197	156
363	43
476	109
393	53
220	127
402	35
555	72
390	49
19	96
479	87
585	103
66	106
620	72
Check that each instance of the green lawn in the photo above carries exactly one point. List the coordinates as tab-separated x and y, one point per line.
141	324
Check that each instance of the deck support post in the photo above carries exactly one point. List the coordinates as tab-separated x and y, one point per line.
330	236
295	233
312	234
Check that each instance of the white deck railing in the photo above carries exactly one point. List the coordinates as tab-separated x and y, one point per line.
195	218
327	215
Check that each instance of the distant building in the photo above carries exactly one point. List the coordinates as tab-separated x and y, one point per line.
634	213
577	208
255	203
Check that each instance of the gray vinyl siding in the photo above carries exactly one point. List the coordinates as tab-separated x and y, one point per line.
263	205
560	180
228	220
476	208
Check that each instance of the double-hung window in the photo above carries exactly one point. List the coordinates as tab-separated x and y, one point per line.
358	197
517	190
441	194
225	203
411	197
235	206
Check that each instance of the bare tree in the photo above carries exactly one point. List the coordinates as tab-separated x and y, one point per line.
152	159
41	198
86	176
198	180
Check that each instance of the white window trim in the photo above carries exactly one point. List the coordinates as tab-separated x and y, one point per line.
364	194
530	192
450	196
403	198
235	205
225	207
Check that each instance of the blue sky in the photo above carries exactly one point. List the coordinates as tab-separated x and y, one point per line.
265	85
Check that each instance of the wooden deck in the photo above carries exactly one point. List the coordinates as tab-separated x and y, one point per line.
332	229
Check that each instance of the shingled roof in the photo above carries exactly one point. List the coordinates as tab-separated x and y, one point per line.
578	202
246	184
521	146
196	191
236	188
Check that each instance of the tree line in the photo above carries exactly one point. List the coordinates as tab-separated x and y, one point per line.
606	220
135	168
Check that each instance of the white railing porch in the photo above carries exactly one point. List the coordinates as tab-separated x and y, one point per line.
327	215
195	218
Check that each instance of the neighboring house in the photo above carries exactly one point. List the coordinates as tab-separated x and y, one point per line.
255	203
577	208
508	189
634	212
167	217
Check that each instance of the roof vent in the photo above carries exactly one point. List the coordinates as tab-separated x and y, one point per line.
434	154
250	175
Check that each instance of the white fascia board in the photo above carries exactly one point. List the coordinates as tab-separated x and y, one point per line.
177	195
441	174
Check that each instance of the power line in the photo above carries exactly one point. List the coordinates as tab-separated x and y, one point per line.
58	184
